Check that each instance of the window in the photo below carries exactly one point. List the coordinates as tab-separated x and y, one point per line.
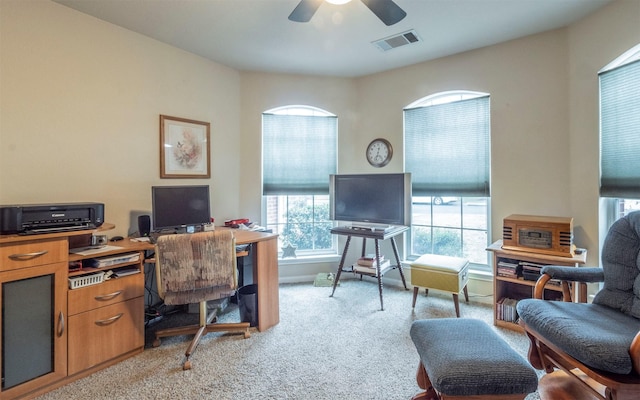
447	152
620	133
299	153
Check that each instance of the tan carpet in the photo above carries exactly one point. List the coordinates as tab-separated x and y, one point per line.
340	347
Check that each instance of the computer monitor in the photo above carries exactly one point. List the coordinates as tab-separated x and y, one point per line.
177	207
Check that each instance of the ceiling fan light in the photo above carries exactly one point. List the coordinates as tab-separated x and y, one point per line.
338	2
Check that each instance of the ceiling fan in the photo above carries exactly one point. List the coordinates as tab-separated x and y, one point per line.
388	11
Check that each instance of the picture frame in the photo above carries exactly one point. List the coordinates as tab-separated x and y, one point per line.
184	148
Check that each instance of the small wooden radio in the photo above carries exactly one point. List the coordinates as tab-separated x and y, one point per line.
538	234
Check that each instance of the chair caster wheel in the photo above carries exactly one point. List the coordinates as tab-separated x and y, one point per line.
156	342
186	366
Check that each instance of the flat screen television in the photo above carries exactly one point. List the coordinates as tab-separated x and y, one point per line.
369	199
179	206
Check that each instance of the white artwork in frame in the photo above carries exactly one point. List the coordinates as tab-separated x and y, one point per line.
184	148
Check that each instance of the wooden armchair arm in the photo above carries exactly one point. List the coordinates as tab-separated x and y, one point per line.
538	290
634	352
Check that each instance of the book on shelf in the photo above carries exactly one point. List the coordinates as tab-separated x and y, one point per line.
372	270
509	268
506	310
369	260
507	272
530	270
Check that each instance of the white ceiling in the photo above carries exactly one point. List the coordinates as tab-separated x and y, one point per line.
255	35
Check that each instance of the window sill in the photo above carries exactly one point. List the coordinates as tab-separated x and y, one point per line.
483	274
311	259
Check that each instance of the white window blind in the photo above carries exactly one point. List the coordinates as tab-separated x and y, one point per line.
620	131
447	148
299	153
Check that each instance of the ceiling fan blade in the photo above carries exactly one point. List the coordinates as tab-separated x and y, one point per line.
388	11
305	10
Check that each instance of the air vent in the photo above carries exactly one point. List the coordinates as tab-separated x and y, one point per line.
398	40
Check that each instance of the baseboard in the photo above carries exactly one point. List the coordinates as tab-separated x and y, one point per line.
483	298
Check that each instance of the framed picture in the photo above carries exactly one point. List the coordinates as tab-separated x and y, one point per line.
184	148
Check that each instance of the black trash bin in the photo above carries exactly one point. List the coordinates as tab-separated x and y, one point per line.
248	304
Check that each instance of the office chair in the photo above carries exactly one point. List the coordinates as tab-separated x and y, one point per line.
594	347
195	268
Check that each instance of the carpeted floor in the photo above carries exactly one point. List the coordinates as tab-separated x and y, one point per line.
340	347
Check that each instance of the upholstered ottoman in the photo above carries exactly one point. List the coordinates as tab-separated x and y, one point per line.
466	359
432	271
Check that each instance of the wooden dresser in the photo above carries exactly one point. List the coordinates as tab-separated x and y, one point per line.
54	334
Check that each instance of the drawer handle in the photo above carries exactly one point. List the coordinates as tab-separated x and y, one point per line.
109	296
28	256
109	320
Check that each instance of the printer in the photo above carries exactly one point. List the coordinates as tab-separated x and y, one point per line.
31	219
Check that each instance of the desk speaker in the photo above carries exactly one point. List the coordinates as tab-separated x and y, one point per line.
144	225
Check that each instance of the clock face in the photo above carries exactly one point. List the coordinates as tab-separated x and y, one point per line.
379	152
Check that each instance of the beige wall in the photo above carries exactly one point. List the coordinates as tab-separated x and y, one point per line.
526	79
79	112
80	99
593	43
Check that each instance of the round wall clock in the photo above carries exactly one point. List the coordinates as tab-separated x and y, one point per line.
379	152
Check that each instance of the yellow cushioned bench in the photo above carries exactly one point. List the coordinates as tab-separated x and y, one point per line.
449	274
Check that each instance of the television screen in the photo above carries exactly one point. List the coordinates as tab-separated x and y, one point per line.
371	198
180	206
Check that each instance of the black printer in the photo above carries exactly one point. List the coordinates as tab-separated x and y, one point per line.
31	219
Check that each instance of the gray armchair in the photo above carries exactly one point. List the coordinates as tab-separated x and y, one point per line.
598	343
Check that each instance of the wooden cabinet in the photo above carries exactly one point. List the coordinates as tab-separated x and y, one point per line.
104	333
105	321
53	334
507	290
33	288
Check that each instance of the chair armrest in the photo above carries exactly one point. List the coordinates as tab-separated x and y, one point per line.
634	352
580	274
566	275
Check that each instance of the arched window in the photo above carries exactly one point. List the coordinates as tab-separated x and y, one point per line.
620	132
299	152
447	152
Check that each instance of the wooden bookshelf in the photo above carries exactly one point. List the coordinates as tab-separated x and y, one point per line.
518	288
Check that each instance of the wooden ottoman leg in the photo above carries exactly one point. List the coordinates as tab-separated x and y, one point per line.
466	293
424	383
456	304
415	296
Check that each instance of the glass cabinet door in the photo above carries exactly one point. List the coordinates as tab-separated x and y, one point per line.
33	327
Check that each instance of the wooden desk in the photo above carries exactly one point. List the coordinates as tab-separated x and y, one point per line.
45	257
265	272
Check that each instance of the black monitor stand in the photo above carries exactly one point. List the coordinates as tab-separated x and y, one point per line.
376	236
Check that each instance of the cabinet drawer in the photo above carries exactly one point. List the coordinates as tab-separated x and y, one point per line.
99	335
32	253
106	293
